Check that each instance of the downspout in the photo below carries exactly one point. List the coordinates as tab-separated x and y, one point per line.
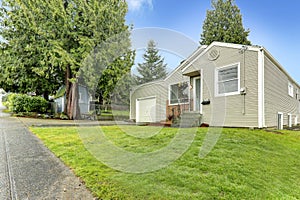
243	92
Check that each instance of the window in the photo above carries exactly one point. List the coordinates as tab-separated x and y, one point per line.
297	94
290	117
179	93
291	90
280	121
228	80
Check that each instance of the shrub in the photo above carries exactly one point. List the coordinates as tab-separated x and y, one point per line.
19	103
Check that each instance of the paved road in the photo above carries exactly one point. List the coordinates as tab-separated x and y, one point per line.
28	170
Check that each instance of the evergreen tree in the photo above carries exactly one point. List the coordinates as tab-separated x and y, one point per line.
224	24
153	68
46	42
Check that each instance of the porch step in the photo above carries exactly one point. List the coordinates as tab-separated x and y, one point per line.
189	119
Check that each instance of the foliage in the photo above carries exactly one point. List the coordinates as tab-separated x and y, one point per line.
26	59
51	39
121	92
22	103
153	68
244	164
224	24
107	65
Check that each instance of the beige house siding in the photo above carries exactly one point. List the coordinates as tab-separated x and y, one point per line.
158	89
277	98
231	110
265	81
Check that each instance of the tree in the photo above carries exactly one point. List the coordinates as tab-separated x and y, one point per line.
107	66
153	68
57	35
23	56
224	24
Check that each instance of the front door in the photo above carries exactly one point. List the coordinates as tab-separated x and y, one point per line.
197	94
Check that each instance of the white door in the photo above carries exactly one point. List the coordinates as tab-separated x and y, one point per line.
146	109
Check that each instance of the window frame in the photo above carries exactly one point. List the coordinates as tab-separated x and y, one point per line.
291	89
238	65
179	103
290	120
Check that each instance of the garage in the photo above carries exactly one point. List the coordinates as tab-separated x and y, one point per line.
146	109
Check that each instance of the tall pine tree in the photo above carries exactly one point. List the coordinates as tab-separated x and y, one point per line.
153	67
224	24
46	42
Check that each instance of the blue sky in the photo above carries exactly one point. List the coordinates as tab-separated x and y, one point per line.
273	24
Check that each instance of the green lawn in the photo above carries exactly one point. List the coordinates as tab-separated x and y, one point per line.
244	164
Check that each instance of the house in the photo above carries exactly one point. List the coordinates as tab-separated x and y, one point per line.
229	85
84	99
2	94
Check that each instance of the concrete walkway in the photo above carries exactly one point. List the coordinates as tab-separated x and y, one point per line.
28	170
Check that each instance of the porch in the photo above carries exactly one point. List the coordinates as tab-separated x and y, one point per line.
182	115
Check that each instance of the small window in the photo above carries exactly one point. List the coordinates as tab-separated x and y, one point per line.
280	121
228	80
291	90
297	94
290	118
179	93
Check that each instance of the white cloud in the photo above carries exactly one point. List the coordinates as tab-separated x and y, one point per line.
136	5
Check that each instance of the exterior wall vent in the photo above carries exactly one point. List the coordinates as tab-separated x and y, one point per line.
213	54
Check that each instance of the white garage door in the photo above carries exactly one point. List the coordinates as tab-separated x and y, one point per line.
145	109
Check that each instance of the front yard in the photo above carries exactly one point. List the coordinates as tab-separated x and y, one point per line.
244	164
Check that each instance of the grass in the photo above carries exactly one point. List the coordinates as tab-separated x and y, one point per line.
244	164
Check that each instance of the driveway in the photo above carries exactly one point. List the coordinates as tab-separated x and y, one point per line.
28	170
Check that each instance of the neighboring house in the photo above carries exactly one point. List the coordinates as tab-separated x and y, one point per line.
2	93
230	85
84	99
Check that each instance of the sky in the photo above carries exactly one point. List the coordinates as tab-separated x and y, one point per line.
274	25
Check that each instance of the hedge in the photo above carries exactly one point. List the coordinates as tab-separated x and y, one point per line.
18	103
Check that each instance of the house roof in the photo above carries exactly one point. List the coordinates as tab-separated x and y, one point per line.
179	67
200	51
185	64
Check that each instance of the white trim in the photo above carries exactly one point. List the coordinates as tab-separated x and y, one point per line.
281	121
201	92
261	92
144	98
296	120
220	44
169	93
137	113
201	49
195	94
216	80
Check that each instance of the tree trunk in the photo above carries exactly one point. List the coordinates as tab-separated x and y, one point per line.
72	105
